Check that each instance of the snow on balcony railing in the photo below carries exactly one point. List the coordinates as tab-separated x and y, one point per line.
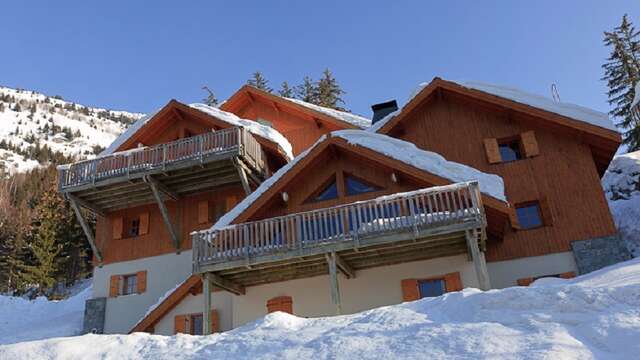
162	156
411	211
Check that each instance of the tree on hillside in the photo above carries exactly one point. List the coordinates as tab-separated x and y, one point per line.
622	73
329	92
259	81
211	98
285	90
307	91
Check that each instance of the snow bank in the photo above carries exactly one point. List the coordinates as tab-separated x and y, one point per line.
357	120
25	320
621	183
572	111
591	317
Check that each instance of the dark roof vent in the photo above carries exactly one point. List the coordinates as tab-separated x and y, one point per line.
383	109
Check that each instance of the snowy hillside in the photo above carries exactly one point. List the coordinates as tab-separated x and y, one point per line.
29	121
621	184
596	316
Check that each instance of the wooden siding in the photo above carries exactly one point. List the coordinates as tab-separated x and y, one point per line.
564	172
158	240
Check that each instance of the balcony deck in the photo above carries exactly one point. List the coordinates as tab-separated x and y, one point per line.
403	227
180	167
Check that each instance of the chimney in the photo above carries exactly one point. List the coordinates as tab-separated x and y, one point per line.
383	109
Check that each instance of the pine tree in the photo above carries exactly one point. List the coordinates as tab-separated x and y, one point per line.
258	81
329	91
285	90
211	98
307	91
622	72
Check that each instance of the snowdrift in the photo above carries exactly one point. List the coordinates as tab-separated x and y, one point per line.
593	316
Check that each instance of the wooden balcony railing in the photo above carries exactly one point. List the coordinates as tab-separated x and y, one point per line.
163	156
413	212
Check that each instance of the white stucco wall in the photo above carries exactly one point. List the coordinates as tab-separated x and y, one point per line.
312	296
506	273
163	273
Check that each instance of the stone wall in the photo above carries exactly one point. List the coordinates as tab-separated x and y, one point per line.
596	253
94	310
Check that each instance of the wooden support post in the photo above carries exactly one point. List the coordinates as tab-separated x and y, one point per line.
478	260
226	284
161	187
345	268
333	277
206	311
165	213
85	228
87	205
243	176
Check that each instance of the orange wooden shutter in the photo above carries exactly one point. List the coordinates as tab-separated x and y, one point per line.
529	144
141	281
545	212
568	275
280	303
492	150
203	212
114	286
144	223
117	227
180	324
525	281
410	290
452	282
215	323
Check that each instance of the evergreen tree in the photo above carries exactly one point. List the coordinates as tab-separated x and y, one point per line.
622	73
285	90
329	91
307	91
258	81
211	98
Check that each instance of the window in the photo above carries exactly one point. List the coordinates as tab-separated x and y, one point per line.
328	193
129	284
355	186
529	215
431	288
510	150
134	227
196	324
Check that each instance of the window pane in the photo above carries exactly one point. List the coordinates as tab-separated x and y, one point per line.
196	322
431	288
354	186
529	216
510	151
330	192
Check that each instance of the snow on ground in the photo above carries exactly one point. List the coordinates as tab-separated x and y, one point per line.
596	316
621	184
25	320
357	120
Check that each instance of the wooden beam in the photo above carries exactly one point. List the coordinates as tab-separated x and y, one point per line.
165	215
226	284
345	268
87	205
478	260
333	278
206	310
161	187
243	176
85	228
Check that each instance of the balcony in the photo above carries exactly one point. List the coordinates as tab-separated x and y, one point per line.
417	225
176	168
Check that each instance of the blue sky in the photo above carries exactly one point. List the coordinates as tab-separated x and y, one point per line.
136	56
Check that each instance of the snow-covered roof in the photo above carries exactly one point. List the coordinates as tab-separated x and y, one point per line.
357	120
400	150
569	110
252	126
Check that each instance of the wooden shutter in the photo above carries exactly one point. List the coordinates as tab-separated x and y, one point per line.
215	322
114	286
144	224
410	290
452	282
117	227
492	150
141	281
529	144
545	212
181	324
525	281
203	212
280	303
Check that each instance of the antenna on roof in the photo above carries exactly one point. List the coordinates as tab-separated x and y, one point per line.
554	93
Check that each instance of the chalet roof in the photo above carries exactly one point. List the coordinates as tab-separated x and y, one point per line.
398	150
227	117
341	118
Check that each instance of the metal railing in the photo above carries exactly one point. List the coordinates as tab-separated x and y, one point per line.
141	160
411	211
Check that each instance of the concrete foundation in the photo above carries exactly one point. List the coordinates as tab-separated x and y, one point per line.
596	253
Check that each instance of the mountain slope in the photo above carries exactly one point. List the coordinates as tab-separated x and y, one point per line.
34	125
